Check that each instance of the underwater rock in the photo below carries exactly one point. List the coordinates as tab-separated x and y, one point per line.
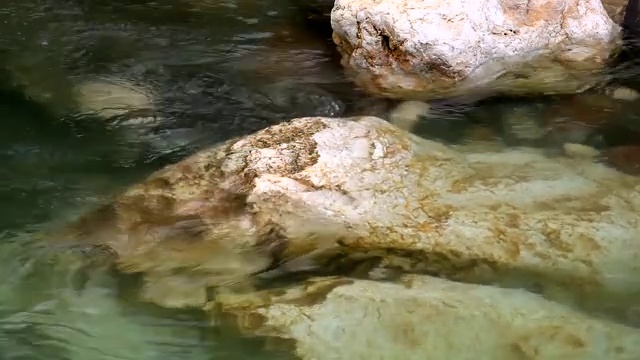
623	93
408	113
421	317
342	191
623	158
434	49
599	119
109	98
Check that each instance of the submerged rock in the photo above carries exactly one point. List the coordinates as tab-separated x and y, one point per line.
408	114
427	49
424	318
624	158
111	97
344	192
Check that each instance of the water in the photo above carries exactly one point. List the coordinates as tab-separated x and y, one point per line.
217	69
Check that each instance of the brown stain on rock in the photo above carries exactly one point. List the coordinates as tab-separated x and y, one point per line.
510	244
529	345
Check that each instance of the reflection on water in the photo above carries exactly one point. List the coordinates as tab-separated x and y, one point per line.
216	69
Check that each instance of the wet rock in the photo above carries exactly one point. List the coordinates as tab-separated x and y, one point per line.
615	9
301	100
623	93
521	124
579	150
623	158
408	113
599	119
346	190
581	119
589	109
110	97
131	110
443	120
404	49
422	317
364	105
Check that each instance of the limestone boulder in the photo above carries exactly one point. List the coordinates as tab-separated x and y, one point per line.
421	317
360	193
434	48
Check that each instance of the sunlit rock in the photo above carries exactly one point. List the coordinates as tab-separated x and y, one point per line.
352	191
426	49
424	318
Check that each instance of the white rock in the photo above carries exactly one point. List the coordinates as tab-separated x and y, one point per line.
426	318
566	227
432	48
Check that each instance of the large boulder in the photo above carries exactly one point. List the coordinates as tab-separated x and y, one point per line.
433	48
356	192
421	317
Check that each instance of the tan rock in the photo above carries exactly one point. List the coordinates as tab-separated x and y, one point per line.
435	48
365	189
425	318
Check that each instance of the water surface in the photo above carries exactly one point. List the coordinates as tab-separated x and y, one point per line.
217	69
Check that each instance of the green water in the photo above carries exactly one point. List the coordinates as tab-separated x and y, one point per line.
220	69
55	163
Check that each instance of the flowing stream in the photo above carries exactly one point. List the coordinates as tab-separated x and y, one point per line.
217	69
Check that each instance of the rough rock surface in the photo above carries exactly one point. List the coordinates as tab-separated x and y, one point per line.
425	318
434	48
355	189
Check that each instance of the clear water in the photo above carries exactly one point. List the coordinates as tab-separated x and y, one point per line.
220	68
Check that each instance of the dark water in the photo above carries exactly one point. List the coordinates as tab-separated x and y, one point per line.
217	69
